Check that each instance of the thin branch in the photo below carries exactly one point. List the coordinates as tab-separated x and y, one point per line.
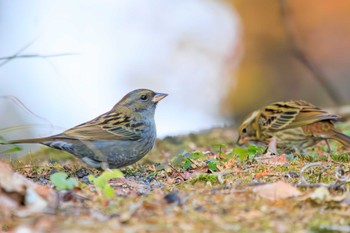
341	178
20	104
18	55
19	52
9	58
37	55
302	56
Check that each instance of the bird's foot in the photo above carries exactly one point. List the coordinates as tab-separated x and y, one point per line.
105	166
272	147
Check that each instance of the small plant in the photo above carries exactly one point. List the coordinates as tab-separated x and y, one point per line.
212	165
246	154
184	160
219	148
206	178
102	184
60	181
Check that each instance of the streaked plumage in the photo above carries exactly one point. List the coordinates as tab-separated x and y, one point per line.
117	138
294	124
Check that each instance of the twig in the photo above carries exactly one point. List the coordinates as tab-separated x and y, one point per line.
8	59
301	176
341	179
220	175
303	58
20	104
18	54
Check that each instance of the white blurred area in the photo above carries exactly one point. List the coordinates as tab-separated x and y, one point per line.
186	48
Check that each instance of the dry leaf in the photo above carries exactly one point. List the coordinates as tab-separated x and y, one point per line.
275	191
322	194
274	160
19	195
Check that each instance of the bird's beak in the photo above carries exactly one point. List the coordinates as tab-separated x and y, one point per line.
158	97
238	142
241	141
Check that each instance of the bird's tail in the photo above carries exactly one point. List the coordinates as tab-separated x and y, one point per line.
30	140
342	138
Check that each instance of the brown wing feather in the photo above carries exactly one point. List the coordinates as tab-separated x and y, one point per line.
278	116
292	114
109	126
310	114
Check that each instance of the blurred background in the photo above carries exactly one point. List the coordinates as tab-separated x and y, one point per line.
65	62
272	69
81	57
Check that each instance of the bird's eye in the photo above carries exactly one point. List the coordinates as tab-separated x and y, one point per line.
143	97
244	130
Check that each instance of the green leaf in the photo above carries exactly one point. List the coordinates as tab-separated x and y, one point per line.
102	184
108	191
177	161
252	149
239	151
60	181
187	164
247	154
197	155
212	165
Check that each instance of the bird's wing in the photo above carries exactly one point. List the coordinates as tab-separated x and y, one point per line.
109	126
292	114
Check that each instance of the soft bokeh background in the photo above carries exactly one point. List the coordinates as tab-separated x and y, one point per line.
269	71
218	60
184	48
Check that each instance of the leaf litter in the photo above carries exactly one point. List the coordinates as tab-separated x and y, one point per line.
194	183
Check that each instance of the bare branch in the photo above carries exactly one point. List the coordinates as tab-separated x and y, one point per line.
18	55
9	58
341	178
302	56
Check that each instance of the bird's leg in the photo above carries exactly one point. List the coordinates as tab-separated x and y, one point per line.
272	148
328	151
105	166
328	146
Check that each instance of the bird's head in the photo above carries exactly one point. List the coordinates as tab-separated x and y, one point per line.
141	100
248	129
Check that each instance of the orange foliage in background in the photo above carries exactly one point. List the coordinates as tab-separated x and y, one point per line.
269	71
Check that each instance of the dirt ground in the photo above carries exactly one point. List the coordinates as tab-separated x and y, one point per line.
193	183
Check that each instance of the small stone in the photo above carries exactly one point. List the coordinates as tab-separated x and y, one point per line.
292	174
172	198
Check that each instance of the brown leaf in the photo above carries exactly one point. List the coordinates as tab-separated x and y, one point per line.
322	194
274	160
275	191
19	195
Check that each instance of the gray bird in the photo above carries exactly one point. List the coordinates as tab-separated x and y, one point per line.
117	138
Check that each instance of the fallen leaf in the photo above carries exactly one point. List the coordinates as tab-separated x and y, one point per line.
19	195
266	172
277	190
274	160
322	194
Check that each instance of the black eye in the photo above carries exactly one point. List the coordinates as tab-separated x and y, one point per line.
244	130
144	97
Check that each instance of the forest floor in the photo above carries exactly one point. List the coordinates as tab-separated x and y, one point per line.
195	183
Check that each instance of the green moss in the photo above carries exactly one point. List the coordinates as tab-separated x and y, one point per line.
212	178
